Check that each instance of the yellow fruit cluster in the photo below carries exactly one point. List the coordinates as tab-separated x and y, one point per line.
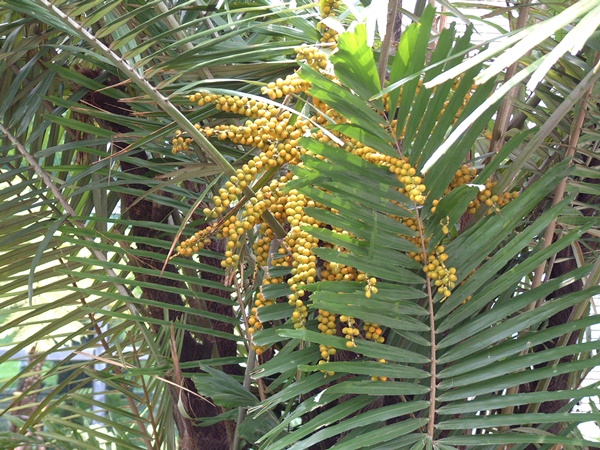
433	265
373	332
277	137
332	271
253	321
270	126
180	143
234	228
463	175
327	322
327	8
313	56
273	131
292	84
304	270
327	325
435	269
299	314
370	287
349	331
487	197
197	242
323	361
329	35
414	187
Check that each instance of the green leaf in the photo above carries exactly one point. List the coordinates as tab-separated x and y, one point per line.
516	419
407	66
379	415
516	438
515	324
366	348
500	383
522	398
357	305
347	104
355	65
341	411
256	425
222	388
370	368
378	437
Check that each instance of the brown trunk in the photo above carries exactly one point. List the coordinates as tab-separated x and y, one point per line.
193	348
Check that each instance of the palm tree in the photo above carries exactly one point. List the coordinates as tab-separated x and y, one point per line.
205	326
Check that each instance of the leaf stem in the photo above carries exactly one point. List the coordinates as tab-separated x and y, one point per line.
387	41
250	364
432	337
505	109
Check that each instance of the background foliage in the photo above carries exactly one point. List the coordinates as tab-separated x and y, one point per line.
94	203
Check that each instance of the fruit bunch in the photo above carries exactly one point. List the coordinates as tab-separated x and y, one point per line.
327	9
270	133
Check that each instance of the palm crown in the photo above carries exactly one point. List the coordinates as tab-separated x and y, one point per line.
252	241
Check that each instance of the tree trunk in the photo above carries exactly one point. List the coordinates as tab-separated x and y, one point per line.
194	348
